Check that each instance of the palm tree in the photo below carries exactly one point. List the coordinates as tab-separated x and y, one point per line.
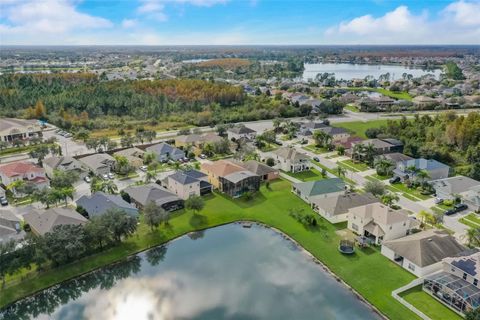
370	153
341	171
422	175
319	136
383	166
425	216
390	198
108	186
149	176
357	151
473	237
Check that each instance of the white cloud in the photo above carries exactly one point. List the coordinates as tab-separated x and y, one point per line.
458	23
46	17
129	23
155	9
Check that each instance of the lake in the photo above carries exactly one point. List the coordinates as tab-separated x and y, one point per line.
349	71
227	272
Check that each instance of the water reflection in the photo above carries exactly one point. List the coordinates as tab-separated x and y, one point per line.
231	273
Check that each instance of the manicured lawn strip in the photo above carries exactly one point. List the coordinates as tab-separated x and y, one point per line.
379	177
358	128
314	149
356	165
469	223
437	209
334	172
368	272
400	187
352	108
473	217
309	175
428	305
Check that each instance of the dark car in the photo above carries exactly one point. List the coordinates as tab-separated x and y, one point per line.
457	208
316	159
395	179
278	143
3	201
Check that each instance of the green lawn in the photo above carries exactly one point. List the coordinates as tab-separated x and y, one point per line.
367	271
381	178
413	193
385	92
354	166
309	175
352	108
358	128
314	149
471	220
428	305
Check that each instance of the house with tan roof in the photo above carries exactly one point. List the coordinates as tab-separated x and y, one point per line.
422	253
265	172
99	163
18	129
43	221
23	170
133	155
379	222
65	164
230	178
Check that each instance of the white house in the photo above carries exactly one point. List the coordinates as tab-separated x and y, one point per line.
290	160
311	191
183	185
380	222
422	253
25	171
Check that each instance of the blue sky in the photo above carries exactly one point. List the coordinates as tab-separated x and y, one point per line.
165	22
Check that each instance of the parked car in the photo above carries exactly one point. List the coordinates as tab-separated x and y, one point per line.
3	201
105	176
203	156
316	159
456	208
278	143
111	175
438	200
68	135
87	179
304	141
395	179
143	168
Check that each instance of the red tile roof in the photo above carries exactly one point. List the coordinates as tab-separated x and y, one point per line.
19	168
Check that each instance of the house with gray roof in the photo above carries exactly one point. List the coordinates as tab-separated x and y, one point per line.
144	194
313	190
100	202
435	169
99	163
338	134
265	172
10	227
290	160
241	132
422	253
335	208
184	185
449	188
43	221
63	163
165	152
395	157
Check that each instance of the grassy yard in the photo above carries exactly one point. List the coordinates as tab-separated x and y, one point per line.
334	172
358	128
309	175
367	271
354	166
471	220
381	178
352	108
314	149
413	194
428	305
385	92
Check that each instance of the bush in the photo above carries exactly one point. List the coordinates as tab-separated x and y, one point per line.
270	162
448	203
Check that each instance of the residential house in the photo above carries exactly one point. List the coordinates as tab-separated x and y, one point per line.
265	172
449	188
133	155
10	227
395	157
18	129
99	203
98	163
198	141
205	186
231	178
337	134
396	145
65	164
183	185
457	284
472	198
436	170
144	194
380	146
241	132
424	102
23	170
380	103
379	222
314	190
422	253
290	160
43	221
165	152
335	208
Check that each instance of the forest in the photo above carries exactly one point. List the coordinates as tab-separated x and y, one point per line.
85	100
446	137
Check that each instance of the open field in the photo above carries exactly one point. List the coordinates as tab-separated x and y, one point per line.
358	128
367	271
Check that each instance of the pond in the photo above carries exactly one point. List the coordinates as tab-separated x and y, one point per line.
228	272
349	71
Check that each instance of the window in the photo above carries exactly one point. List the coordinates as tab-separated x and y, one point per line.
464	276
475	282
411	266
354	227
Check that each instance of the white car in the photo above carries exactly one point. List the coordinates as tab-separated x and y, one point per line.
143	168
111	175
87	179
105	176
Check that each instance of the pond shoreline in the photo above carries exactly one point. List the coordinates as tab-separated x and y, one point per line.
238	222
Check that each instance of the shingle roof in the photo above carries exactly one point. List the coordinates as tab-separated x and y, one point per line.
182	178
290	153
396	157
325	186
99	202
151	193
221	168
334	130
19	168
11	123
340	204
380	213
164	148
241	130
427	247
424	164
454	185
9	226
194	173
43	221
257	167
97	160
469	264
238	176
